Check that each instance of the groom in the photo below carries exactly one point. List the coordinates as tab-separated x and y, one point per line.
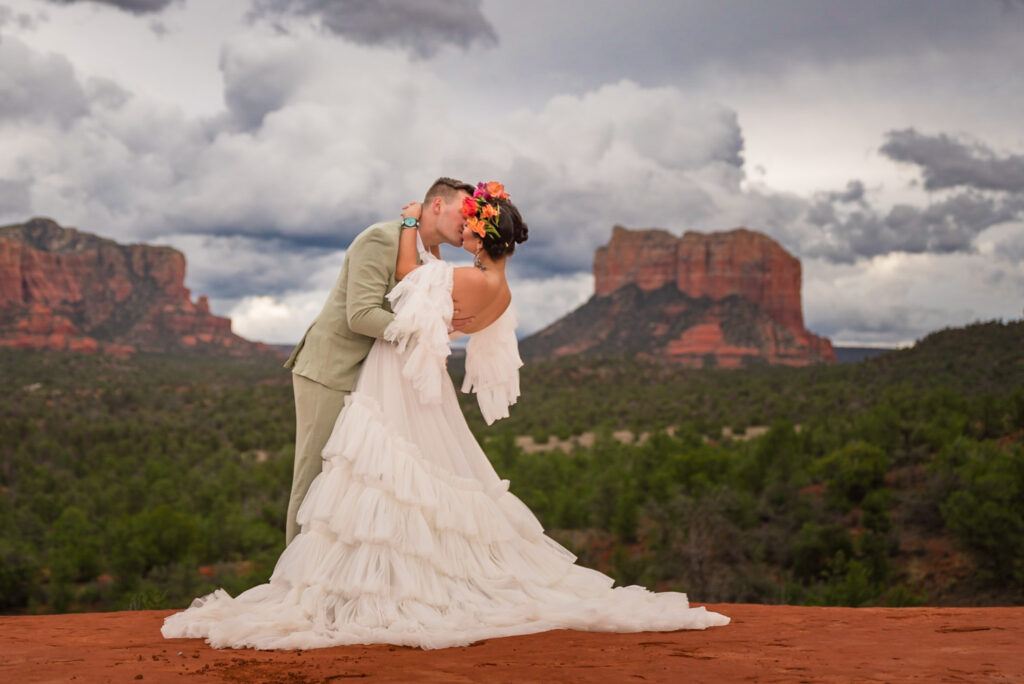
326	363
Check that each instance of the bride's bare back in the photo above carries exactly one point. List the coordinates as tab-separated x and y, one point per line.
479	295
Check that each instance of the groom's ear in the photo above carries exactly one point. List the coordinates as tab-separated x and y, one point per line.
436	204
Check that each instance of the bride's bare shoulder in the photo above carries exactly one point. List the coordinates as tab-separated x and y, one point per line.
469	282
469	274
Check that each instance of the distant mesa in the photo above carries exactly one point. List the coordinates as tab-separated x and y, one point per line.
64	290
725	299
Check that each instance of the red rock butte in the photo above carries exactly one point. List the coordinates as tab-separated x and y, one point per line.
713	265
64	290
723	299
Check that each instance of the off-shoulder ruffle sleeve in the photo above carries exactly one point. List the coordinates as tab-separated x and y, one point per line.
492	366
422	303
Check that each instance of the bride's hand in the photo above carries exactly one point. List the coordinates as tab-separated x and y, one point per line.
412	210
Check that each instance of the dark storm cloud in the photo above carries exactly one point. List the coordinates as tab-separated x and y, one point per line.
989	190
133	6
823	209
38	86
327	237
946	162
658	42
284	241
232	268
854	193
258	267
254	86
942	227
421	26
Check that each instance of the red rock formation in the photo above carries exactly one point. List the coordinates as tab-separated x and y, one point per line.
727	298
713	265
64	290
742	262
645	257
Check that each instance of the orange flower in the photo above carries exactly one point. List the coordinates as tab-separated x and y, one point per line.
496	190
477	226
489	211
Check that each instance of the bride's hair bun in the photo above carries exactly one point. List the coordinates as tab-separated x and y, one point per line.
511	228
522	232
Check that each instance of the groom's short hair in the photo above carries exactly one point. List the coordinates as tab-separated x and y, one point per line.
447	188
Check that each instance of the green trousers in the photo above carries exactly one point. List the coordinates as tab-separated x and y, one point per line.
316	409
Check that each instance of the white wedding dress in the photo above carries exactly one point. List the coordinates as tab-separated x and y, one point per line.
409	537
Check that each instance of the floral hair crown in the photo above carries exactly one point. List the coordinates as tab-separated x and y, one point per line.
482	216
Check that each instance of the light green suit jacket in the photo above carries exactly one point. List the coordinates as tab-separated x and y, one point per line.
355	314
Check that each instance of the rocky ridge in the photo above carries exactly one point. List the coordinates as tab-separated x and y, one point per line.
725	299
65	290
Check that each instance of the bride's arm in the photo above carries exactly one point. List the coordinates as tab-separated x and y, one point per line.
407	261
407	243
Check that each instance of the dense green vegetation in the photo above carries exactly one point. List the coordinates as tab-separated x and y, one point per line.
120	479
897	480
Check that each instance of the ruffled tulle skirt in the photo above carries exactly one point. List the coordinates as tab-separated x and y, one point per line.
409	537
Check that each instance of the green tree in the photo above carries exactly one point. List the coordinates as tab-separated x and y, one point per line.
854	470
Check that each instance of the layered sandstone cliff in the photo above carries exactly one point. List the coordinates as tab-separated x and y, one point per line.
64	290
720	299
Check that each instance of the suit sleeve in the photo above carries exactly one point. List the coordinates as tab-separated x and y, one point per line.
369	274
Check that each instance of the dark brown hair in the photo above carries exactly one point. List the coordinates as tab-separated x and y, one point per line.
511	228
446	188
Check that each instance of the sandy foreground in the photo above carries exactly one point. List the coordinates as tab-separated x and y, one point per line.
763	644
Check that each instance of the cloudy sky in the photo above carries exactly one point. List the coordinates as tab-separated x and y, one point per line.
879	141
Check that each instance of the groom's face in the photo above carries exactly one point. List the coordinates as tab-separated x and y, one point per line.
450	220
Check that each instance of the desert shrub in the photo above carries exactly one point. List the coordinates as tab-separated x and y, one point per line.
985	506
816	548
853	471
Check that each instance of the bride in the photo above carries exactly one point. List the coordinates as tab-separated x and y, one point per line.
409	537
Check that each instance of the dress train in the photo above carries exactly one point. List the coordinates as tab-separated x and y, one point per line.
409	537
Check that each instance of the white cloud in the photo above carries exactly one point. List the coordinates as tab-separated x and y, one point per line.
276	320
898	298
542	301
319	138
38	86
296	285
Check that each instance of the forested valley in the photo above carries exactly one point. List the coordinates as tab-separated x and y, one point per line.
898	480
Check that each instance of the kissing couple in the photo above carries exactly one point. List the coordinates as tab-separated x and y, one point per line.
399	529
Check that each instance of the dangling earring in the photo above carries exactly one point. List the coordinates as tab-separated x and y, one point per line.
476	259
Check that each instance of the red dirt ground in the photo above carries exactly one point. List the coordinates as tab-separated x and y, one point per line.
763	644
